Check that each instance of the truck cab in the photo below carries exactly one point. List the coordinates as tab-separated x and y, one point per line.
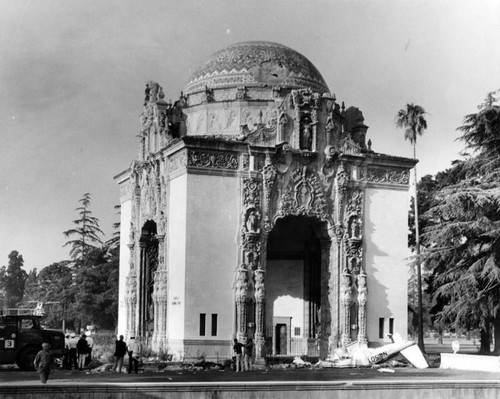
21	337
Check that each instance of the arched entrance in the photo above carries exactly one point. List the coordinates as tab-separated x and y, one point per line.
293	289
148	266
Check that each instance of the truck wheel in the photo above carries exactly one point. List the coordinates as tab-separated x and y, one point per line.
26	358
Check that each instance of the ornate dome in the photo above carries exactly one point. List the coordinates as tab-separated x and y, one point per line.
256	64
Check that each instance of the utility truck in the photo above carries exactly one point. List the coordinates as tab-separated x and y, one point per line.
22	335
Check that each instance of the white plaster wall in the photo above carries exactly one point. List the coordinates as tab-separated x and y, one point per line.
213	214
386	259
285	292
176	253
125	219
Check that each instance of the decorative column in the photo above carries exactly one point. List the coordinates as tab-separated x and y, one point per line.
158	296
325	310
131	303
162	310
362	299
241	308
345	308
154	298
334	289
141	313
260	306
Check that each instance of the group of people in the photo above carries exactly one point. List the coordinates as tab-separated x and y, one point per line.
243	355
78	351
121	348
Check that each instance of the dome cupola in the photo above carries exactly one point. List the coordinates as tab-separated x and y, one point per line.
256	64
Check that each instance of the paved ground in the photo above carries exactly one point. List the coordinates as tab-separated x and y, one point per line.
9	376
15	377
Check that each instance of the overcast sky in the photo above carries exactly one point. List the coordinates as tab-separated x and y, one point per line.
73	73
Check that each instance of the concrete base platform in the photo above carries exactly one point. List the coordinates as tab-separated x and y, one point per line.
266	390
470	362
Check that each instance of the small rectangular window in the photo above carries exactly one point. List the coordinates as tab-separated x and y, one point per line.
381	327
296	331
214	324
203	320
391	326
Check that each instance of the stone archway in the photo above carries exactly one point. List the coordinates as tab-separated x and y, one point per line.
296	297
148	243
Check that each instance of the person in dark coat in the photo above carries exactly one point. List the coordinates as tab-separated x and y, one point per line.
82	347
44	362
237	348
120	351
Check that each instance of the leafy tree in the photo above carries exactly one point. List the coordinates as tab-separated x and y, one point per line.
55	292
14	277
31	287
412	120
96	288
87	231
464	240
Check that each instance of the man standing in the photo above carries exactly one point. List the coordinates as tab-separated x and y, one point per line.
133	352
237	353
83	350
44	362
120	350
90	343
247	360
72	352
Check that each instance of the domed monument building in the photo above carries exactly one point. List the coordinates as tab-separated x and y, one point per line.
256	209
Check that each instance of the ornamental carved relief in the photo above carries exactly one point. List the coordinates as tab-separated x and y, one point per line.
251	223
385	175
303	196
177	161
213	160
353	228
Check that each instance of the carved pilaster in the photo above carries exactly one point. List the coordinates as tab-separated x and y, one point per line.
333	295
341	181
260	305
345	305
241	298
325	316
362	300
131	289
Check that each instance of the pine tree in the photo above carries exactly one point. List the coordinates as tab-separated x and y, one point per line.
14	277
464	242
87	231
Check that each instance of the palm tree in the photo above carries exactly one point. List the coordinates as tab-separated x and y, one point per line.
412	120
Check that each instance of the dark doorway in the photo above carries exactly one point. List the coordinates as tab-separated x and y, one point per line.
281	339
293	281
149	265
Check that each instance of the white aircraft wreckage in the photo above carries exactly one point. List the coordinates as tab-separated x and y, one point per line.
361	356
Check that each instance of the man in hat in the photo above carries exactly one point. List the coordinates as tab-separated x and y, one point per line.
133	353
73	363
44	362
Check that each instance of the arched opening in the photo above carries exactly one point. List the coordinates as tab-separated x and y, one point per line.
293	287
149	263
